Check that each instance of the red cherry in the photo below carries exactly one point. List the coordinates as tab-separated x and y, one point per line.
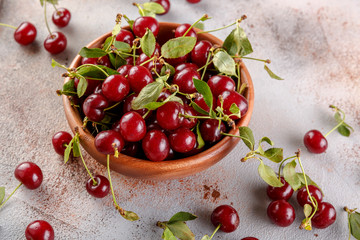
231	97
156	145
139	77
93	107
199	100
277	193
164	3
325	215
182	140
29	174
39	230
190	122
142	23
104	60
59	140
168	115
106	142
200	52
249	238
55	43
100	189
303	196
210	131
220	83
182	66
227	216
281	213
194	151
25	33
125	36
176	61
115	88
124	69
193	1
131	149
181	29
184	79
132	127
61	17
149	65
315	142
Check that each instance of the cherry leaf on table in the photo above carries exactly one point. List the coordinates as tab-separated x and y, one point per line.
307	210
122	46
116	60
55	2
181	230
354	221
247	136
199	139
2	194
199	109
182	217
56	64
147	43
81	87
344	129
178	47
271	74
224	63
168	235
153	7
268	175
150	93
204	89
291	176
237	43
274	154
131	216
92	52
266	139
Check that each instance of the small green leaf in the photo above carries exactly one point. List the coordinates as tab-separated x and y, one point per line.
147	43
56	64
69	88
55	2
156	105
212	114
81	87
234	109
107	42
131	216
153	7
307	210
2	194
92	52
68	151
354	221
291	176
116	30
204	89
93	71
200	140
178	47
274	154
168	235
182	217
224	63
344	129
147	13
129	21
199	109
206	237
247	136
266	139
237	43
116	60
309	181
181	230
199	25
268	175
76	146
271	74
167	67
122	46
150	93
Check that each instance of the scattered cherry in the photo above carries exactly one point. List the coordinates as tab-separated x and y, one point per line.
55	43
25	33
315	142
29	174
281	213
156	145
227	216
164	3
277	193
61	17
303	196
142	23
325	215
60	140
182	140
132	126
193	1
100	189
39	230
106	142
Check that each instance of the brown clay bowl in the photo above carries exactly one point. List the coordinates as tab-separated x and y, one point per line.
172	169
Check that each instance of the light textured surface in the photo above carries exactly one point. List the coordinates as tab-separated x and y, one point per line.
314	45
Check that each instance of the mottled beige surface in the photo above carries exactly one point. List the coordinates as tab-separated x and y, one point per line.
314	46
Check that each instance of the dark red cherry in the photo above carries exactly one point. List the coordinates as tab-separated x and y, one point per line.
127	105
156	145
92	85
39	230
29	174
61	17
181	30
55	43
163	96
182	140
171	155
25	33
132	127
104	60
249	238
220	83
184	79
60	140
193	1
115	88
164	3
125	36
142	23
277	193
200	52
100	189
190	122
176	61
182	66
139	77
194	151
231	97
303	196
124	69
227	216
325	215
168	115
210	131
131	149
281	213
315	142
93	107
106	142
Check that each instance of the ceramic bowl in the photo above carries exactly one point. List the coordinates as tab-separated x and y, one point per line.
172	169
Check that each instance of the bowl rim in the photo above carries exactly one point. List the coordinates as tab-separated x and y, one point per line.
171	169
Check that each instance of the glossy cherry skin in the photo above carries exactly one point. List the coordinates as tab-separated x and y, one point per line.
249	238
210	131
106	142
182	66
156	145
61	17
200	52
59	140
176	61
199	100
281	213
115	88
29	174
220	83
131	149
104	60
182	140
125	36
142	23
55	43
132	127
303	197
100	189
227	216
139	77
39	230
231	97
94	105
164	3
124	69
168	115
315	142
181	30
25	33
193	1
184	79
190	122
325	215
92	85
277	193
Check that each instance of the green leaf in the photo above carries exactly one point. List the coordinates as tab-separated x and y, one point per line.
206	237
55	2
344	129
68	151
116	29
354	220
147	13
224	63
168	235
93	71
307	210
247	136
212	114
178	47
107	42
167	67
2	194
234	109
150	93
156	105
266	139
182	217
81	87
76	146
56	64
204	89
153	7
199	109
268	175
69	88
291	176
274	154
92	52
200	140
122	46
116	60
131	216
271	74
129	21
237	43
147	43
181	230
309	181
199	25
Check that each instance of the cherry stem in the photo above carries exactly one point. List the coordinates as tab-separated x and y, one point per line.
109	176
111	107
93	65
140	9
256	59
216	229
192	26
206	64
281	164
239	78
340	123
149	60
83	161
7	25
10	195
191	116
46	21
54	7
218	29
